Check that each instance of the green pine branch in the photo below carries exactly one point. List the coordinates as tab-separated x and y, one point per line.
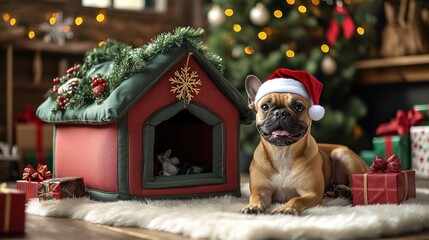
127	61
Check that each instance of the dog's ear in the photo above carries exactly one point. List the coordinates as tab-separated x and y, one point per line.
252	85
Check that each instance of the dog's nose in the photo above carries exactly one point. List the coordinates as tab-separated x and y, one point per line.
280	113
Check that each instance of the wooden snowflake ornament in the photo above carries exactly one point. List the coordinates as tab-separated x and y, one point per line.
185	83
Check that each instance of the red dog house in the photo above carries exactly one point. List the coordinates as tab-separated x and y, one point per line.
178	100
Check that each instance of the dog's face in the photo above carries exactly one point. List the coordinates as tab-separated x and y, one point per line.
281	118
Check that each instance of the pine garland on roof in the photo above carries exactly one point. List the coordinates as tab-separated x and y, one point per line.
126	61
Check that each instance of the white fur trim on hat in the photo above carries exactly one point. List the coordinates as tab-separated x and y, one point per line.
288	85
282	85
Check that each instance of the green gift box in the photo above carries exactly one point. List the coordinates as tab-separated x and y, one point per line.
424	109
30	157
368	156
386	146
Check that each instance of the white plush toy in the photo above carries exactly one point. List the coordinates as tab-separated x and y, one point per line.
172	166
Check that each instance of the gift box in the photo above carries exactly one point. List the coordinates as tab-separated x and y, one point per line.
35	143
367	156
30	188
420	150
383	187
398	144
31	179
424	110
12	211
26	136
60	188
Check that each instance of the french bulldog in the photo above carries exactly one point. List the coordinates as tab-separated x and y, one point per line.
288	165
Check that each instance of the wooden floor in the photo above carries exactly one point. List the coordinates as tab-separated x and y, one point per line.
48	228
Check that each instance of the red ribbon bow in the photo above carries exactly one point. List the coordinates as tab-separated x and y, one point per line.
392	164
28	115
400	124
41	174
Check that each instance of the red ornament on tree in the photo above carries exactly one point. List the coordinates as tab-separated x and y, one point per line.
341	17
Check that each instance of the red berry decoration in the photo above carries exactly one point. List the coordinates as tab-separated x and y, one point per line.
72	70
56	80
55	87
378	165
394	164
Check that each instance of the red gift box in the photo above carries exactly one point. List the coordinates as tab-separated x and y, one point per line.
383	187
29	188
60	188
32	177
12	211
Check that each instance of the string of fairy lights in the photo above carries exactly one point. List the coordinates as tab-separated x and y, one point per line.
53	19
260	15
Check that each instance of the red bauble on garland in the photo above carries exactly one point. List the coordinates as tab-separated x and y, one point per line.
99	87
97	91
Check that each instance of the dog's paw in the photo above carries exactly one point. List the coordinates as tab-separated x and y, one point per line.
330	194
253	209
343	191
286	211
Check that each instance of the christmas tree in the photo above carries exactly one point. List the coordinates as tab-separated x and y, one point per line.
324	38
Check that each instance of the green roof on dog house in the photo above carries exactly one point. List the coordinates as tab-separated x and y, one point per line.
123	108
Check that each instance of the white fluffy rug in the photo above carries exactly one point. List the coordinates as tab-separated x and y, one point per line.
218	218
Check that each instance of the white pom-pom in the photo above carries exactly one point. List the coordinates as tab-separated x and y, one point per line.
316	112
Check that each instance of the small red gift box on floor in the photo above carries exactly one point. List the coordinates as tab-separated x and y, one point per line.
60	188
12	211
31	180
29	188
383	185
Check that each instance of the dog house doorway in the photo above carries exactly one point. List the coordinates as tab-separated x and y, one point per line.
194	134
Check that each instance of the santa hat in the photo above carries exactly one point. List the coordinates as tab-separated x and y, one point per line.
299	82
